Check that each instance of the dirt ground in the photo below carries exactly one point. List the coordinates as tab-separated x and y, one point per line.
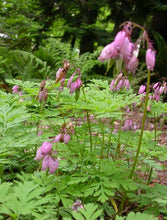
136	117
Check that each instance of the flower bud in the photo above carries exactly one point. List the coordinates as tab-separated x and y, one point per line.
39	154
45	163
15	89
120	84
42	85
156	85
66	138
75	85
57	138
127	84
142	89
112	84
43	95
70	81
161	90
53	165
150	59
46	147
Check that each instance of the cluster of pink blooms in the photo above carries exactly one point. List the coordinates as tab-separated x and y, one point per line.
123	48
47	154
128	125
62	138
120	82
15	89
158	90
77	205
60	77
61	74
65	132
48	157
73	86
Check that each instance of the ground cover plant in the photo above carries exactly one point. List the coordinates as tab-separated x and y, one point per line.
69	149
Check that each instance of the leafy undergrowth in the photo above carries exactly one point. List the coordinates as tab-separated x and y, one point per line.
93	177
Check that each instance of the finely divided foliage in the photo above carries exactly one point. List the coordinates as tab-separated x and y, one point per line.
69	150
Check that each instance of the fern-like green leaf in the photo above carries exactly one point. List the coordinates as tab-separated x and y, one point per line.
25	198
89	212
136	216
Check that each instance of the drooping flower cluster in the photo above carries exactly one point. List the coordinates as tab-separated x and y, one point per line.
60	77
43	92
120	82
61	73
158	90
65	132
15	89
77	205
128	125
123	48
73	86
48	155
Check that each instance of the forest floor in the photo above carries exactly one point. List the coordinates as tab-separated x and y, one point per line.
136	117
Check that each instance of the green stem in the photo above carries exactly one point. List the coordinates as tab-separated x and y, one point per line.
155	137
119	144
120	210
37	126
109	139
102	147
150	175
58	95
76	134
90	131
88	120
142	127
63	118
42	106
155	129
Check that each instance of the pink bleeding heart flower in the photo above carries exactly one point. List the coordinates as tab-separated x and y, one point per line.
39	154
46	147
108	52
120	39
45	163
66	138
53	165
75	85
150	59
142	89
132	64
15	89
57	138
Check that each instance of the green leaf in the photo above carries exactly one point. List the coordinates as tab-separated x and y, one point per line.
23	199
110	63
89	212
137	216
